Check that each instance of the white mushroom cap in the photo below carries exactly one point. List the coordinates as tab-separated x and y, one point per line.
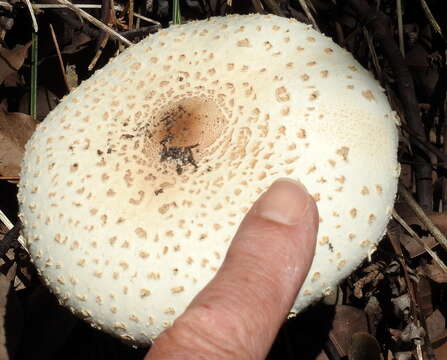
133	187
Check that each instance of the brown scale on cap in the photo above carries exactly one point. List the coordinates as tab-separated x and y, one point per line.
137	181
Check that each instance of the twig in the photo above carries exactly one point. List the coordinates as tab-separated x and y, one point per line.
426	146
141	32
422	216
258	6
415	236
92	6
95	22
137	15
95	59
412	292
9	225
10	178
6	5
339	33
373	52
59	56
400	27
308	13
33	17
274	7
73	20
107	17
131	12
431	18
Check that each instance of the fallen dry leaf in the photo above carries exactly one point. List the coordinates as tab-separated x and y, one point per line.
434	272
364	346
441	352
79	42
348	320
411	245
15	130
46	101
11	60
435	324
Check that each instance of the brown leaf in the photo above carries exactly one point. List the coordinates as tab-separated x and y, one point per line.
435	273
364	347
441	352
79	41
411	245
348	320
15	130
435	324
46	101
425	296
12	60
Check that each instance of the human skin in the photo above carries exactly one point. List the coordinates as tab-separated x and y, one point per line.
238	314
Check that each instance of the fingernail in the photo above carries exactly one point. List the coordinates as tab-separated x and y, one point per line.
285	202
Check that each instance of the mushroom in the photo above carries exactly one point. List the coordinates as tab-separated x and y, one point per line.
134	185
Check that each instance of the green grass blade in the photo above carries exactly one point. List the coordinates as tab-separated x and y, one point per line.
176	14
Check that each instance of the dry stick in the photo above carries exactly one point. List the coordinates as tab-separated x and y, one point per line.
137	15
339	33
33	17
376	63
10	178
140	32
111	12
426	146
373	52
306	10
258	6
422	216
131	6
72	19
415	236
91	6
4	219
106	18
380	26
59	56
413	294
95	59
400	27
274	7
95	22
431	18
6	5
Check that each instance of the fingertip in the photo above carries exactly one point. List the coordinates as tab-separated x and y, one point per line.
286	202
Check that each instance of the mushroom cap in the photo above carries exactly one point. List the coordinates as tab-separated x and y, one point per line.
132	188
